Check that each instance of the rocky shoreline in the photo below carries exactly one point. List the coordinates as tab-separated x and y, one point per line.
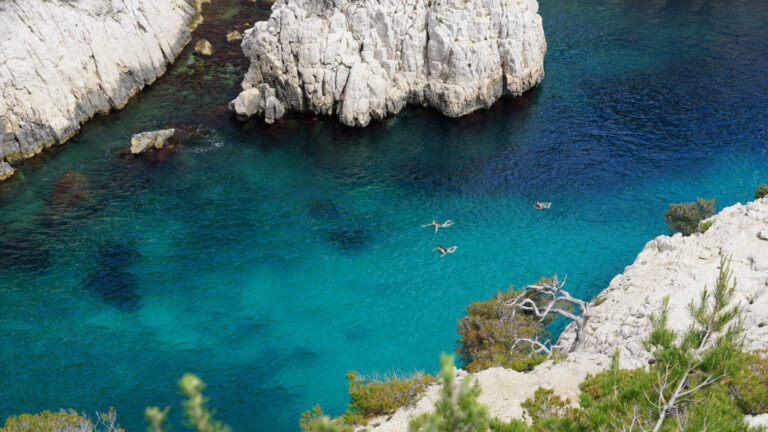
675	266
365	60
61	62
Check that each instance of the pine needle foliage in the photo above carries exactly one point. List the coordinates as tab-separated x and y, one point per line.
198	416
749	386
685	217
457	410
761	191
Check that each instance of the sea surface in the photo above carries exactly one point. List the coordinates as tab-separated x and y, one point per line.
271	260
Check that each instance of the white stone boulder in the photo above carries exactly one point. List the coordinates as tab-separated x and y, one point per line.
6	170
260	101
203	47
234	36
143	141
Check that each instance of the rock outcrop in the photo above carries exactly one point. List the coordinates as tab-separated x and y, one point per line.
681	268
143	141
203	47
363	60
6	170
259	100
61	62
678	267
234	36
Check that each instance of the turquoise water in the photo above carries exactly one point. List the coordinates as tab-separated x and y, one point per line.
271	260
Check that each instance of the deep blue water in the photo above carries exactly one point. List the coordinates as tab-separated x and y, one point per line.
271	260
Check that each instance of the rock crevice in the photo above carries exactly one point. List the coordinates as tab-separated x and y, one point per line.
366	59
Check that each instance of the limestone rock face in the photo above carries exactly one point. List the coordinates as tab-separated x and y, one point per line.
6	170
63	61
203	47
363	60
142	142
681	268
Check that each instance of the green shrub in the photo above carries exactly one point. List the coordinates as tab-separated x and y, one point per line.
372	397
685	217
369	397
749	386
705	226
761	191
489	330
69	421
45	421
457	409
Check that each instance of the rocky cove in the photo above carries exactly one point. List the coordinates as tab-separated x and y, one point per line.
92	60
271	259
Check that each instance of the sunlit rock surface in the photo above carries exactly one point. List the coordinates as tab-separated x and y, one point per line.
363	60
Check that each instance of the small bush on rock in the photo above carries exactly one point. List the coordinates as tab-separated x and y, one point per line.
761	191
369	397
685	217
69	421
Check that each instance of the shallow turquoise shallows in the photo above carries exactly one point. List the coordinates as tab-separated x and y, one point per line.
271	260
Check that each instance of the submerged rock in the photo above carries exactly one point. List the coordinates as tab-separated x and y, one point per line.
24	248
117	288
61	62
325	209
233	36
365	60
6	170
141	142
71	190
260	101
111	279
349	237
203	47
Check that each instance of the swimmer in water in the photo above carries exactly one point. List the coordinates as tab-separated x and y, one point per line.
434	223
538	205
444	251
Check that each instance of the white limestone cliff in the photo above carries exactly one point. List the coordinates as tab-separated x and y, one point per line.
678	267
365	59
63	61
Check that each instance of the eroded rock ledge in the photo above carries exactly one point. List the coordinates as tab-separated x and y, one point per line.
63	61
678	267
365	59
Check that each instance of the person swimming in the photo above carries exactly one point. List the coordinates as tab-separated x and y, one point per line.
538	205
434	223
445	251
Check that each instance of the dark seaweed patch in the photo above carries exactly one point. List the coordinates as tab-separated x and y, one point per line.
111	281
326	210
349	237
117	288
23	250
